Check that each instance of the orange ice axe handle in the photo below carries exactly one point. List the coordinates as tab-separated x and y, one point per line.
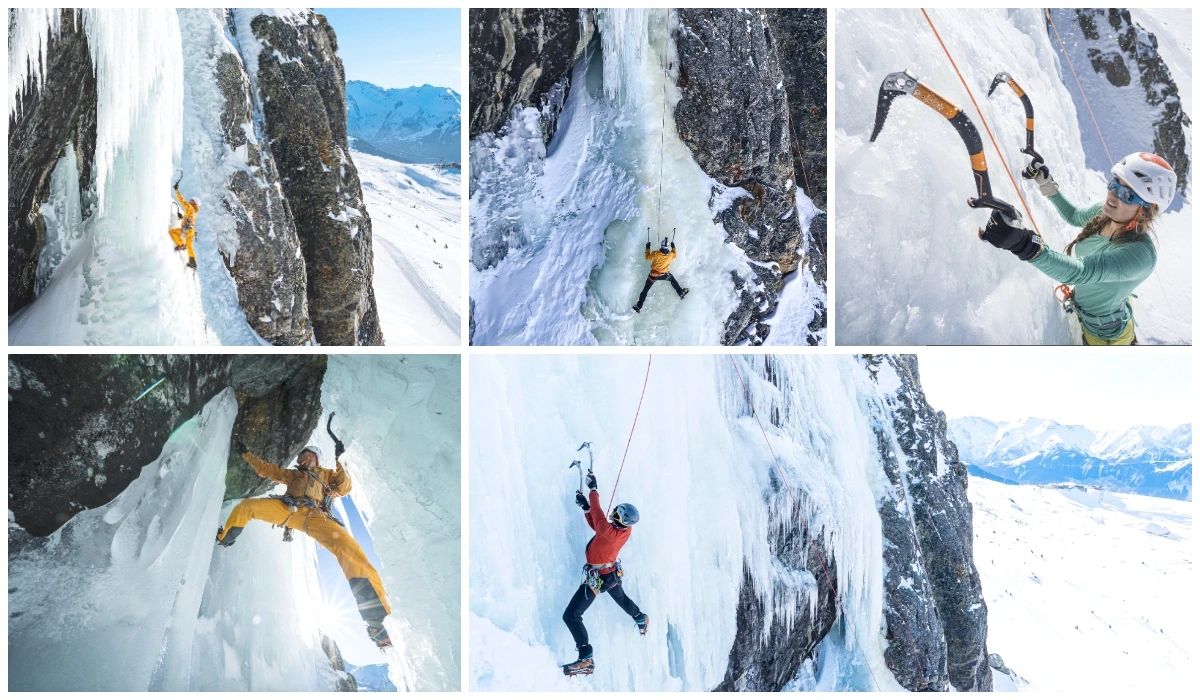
1028	105
904	83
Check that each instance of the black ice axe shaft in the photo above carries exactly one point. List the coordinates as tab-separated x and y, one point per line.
904	83
329	429
1028	105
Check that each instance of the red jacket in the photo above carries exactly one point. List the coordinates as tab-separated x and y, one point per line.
606	545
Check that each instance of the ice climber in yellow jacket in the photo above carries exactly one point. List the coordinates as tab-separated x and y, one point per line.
660	269
185	233
306	506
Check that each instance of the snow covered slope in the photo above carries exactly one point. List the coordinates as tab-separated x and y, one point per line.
419	124
1089	592
1148	460
724	501
415	216
910	267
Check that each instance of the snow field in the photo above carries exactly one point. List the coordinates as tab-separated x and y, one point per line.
701	475
1087	590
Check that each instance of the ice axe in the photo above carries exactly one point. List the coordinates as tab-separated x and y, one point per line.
904	83
1003	77
179	178
338	447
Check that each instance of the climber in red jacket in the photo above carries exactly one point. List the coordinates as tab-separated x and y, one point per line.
602	572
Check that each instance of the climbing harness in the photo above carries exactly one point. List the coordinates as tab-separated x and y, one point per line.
593	574
904	83
632	428
1028	150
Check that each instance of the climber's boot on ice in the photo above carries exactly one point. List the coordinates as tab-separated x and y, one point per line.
584	666
226	539
379	635
684	293
637	309
192	263
643	622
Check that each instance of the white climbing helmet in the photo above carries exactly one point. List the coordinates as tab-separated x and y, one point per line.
313	449
1150	176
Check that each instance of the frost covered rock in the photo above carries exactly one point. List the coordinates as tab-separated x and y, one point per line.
279	407
49	118
935	600
523	57
301	83
735	117
1124	54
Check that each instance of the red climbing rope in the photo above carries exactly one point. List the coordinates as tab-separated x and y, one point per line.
633	427
987	127
1078	84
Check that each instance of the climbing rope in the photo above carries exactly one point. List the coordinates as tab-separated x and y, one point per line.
1079	85
632	428
983	118
663	129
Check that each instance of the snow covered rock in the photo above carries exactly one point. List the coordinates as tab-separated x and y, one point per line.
301	83
735	117
412	125
523	57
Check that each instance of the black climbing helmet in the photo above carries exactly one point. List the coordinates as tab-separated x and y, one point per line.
665	247
625	514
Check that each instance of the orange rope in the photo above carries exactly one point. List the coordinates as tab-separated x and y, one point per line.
631	429
1078	84
982	118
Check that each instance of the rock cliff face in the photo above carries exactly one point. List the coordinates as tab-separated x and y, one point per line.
523	57
732	83
934	607
81	427
1121	51
47	121
303	90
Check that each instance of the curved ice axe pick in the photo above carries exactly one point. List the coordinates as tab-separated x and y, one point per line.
1028	150
591	461
904	83
338	445
579	464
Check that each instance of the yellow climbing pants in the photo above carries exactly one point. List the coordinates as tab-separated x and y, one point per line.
329	534
182	239
1126	338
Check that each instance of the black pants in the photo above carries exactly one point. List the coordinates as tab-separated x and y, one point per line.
582	600
650	283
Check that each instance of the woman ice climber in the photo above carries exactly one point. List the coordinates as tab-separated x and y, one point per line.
305	506
1113	253
602	572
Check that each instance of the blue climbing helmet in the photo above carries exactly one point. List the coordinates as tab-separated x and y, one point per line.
625	515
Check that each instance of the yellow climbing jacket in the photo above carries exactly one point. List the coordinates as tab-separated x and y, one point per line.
660	262
185	233
303	484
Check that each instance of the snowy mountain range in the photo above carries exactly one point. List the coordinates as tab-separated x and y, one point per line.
413	124
1149	460
372	678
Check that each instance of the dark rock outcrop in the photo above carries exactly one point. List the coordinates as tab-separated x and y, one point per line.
302	85
79	434
80	428
61	112
522	57
271	279
279	406
929	548
1135	55
732	83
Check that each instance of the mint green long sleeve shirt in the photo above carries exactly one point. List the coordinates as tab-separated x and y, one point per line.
1103	273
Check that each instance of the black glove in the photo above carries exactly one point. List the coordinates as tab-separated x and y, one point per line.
1040	174
1023	243
590	480
672	245
582	501
647	245
338	449
239	445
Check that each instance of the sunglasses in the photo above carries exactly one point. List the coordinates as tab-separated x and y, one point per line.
1125	193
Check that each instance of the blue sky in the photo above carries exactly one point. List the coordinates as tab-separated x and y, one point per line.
1102	390
399	48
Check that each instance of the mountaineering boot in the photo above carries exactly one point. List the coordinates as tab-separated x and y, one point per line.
684	294
223	544
192	263
379	635
643	622
584	666
637	309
